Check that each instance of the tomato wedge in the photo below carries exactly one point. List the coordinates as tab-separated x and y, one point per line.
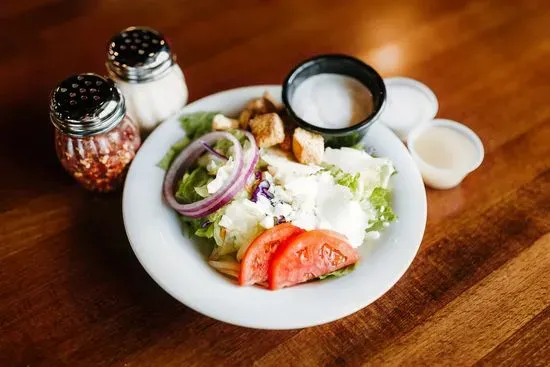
257	258
310	255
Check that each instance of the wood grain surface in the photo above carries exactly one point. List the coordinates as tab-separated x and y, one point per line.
73	294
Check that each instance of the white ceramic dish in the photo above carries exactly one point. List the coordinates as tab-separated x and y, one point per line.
178	264
409	104
440	178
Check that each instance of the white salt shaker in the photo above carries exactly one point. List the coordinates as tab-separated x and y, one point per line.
143	66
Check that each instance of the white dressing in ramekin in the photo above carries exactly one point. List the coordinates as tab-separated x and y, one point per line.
445	152
332	101
409	103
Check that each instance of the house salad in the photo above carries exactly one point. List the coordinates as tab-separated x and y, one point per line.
279	208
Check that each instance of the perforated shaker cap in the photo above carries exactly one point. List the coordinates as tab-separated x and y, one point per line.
86	104
139	54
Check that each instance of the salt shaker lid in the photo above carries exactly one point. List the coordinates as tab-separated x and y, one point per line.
86	104
139	54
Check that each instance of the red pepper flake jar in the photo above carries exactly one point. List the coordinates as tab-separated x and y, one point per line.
95	140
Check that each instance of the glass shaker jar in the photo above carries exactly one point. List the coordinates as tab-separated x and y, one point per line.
95	139
143	66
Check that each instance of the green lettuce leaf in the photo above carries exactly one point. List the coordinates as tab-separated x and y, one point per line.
191	225
186	192
338	273
174	150
202	227
206	232
380	197
197	124
381	201
349	180
343	178
359	146
223	145
208	226
194	124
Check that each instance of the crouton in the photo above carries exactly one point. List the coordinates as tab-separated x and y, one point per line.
308	147
286	144
258	106
270	103
244	118
289	125
220	122
268	129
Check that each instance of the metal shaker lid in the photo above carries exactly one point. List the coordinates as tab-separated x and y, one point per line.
139	54
86	104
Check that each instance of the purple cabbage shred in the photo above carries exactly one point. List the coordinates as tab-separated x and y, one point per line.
261	189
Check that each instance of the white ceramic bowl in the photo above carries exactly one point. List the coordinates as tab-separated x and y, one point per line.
440	178
178	263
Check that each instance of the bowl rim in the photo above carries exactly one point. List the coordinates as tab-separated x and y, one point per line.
373	117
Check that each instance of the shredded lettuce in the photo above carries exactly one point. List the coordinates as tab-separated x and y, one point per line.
362	147
166	161
207	227
202	227
381	201
225	147
191	225
202	190
359	146
339	273
194	125
349	180
343	178
380	197
197	124
186	192
222	146
206	232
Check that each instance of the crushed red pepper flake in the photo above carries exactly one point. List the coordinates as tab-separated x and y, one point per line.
99	162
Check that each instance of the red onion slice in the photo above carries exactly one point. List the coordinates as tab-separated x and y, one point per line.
237	185
185	159
213	151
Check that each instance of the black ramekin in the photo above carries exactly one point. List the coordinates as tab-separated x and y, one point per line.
344	65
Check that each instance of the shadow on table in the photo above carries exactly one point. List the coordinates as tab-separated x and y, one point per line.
132	315
100	240
109	278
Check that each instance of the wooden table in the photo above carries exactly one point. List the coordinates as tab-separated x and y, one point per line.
73	294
